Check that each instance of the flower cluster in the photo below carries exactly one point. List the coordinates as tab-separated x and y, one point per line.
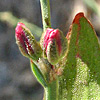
53	45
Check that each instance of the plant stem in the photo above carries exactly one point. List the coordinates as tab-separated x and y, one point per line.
51	92
45	8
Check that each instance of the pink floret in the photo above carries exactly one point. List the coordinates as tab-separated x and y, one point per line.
50	35
20	36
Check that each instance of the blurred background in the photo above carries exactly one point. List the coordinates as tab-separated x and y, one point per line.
16	79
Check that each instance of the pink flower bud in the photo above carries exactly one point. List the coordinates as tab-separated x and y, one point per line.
26	42
51	35
54	44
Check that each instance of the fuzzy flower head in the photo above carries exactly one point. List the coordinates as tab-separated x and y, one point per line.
26	42
54	44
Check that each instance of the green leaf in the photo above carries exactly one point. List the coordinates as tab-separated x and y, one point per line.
81	77
37	73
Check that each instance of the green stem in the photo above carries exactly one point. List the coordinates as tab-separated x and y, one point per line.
45	8
51	91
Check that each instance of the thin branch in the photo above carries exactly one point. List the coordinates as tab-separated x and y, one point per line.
45	8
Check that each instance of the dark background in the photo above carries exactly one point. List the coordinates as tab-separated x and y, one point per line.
16	79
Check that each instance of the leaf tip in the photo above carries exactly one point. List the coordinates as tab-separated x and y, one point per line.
77	17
